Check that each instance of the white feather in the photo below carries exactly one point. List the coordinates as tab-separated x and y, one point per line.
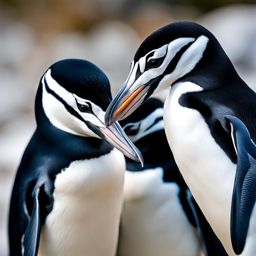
207	170
87	206
153	221
205	167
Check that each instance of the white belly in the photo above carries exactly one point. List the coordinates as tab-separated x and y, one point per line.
205	167
87	207
153	221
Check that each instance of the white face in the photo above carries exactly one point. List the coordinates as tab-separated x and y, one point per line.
61	118
160	60
152	123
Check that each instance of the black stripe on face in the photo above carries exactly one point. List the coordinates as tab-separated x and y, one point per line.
67	107
155	122
132	129
172	65
149	55
138	72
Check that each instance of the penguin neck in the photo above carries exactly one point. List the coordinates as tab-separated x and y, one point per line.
213	70
163	158
78	147
148	143
149	147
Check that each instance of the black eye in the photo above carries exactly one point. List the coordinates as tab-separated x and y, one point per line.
154	63
131	129
84	107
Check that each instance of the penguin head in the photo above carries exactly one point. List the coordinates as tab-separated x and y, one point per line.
73	96
145	121
167	55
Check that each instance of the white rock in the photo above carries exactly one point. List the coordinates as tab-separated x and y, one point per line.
6	186
68	45
234	27
14	138
15	45
112	47
14	95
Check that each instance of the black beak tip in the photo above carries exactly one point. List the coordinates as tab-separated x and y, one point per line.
141	161
139	158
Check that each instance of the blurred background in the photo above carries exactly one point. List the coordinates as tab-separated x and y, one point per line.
34	34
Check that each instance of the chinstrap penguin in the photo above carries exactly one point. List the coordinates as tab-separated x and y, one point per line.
204	88
67	194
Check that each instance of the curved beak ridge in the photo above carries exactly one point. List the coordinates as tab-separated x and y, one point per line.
125	102
116	136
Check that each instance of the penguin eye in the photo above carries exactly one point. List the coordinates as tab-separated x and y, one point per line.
85	107
131	129
153	63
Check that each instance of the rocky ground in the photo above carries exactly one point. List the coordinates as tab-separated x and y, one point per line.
26	52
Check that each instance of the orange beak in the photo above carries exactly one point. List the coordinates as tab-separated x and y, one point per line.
126	102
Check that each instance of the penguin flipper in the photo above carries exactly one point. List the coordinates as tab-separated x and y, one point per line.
243	201
244	191
32	233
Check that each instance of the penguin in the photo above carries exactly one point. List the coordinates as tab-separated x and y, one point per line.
203	88
67	193
159	217
153	219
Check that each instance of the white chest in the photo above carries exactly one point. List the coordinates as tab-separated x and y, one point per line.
153	221
87	206
205	167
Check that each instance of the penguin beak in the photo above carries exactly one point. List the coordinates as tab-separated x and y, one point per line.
115	135
126	102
